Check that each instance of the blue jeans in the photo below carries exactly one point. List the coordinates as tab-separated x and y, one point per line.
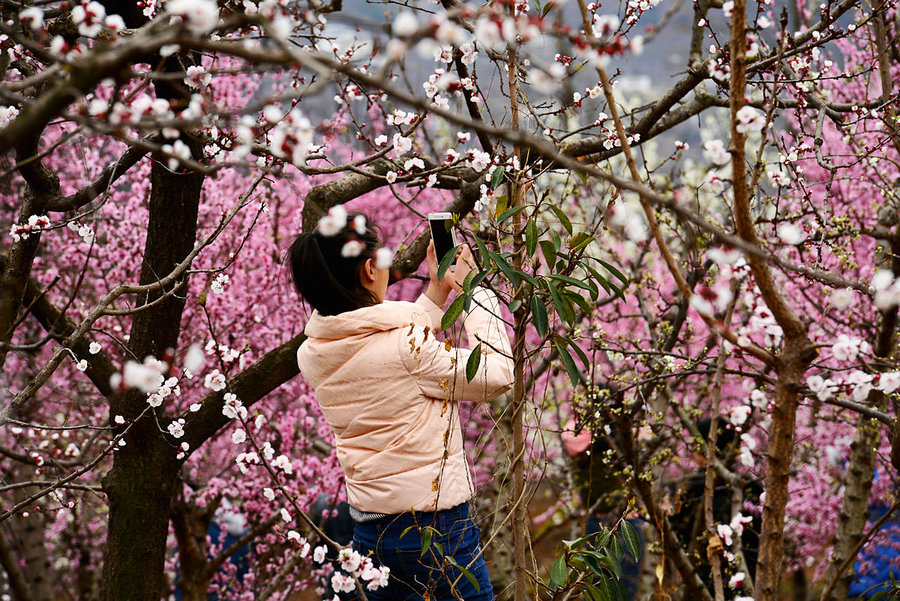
631	569
412	573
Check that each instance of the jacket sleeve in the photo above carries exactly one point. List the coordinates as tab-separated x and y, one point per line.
431	311
441	371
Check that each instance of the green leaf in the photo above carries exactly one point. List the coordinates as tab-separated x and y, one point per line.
510	212
549	252
563	306
502	203
402	534
426	541
607	588
612	269
631	539
477	279
558	573
593	592
602	538
482	249
528	279
497	177
446	262
473	363
557	241
569	363
592	561
582	176
569	280
539	316
514	306
578	351
471	578
531	236
505	267
563	218
453	312
579	241
615	550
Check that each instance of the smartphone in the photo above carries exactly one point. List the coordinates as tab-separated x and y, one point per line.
442	233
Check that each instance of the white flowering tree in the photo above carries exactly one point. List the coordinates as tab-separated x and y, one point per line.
698	284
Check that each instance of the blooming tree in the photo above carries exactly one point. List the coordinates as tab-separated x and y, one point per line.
156	161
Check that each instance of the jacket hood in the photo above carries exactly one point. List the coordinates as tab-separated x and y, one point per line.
387	315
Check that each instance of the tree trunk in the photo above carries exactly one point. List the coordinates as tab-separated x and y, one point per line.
794	362
854	506
142	480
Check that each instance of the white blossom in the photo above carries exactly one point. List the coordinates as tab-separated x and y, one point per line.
383	258
32	17
332	223
215	381
790	233
716	152
750	120
199	16
176	428
141	376
889	382
352	248
841	298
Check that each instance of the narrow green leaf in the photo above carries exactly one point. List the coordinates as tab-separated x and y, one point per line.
558	575
563	305
631	539
473	363
549	252
593	593
477	279
469	576
453	312
570	280
497	177
510	212
483	251
531	235
615	550
426	541
505	267
402	534
612	269
602	538
502	203
528	278
557	241
563	218
539	316
597	276
569	363
578	351
607	588
446	262
592	561
514	306
579	241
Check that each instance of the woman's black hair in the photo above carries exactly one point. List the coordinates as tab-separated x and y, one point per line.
324	277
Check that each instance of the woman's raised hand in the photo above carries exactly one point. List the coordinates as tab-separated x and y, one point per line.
438	290
464	264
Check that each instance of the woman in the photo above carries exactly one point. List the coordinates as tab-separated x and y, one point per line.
388	388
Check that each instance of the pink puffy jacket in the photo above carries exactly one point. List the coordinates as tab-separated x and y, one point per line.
388	388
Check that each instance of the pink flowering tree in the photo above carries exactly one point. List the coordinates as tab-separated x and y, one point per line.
157	161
